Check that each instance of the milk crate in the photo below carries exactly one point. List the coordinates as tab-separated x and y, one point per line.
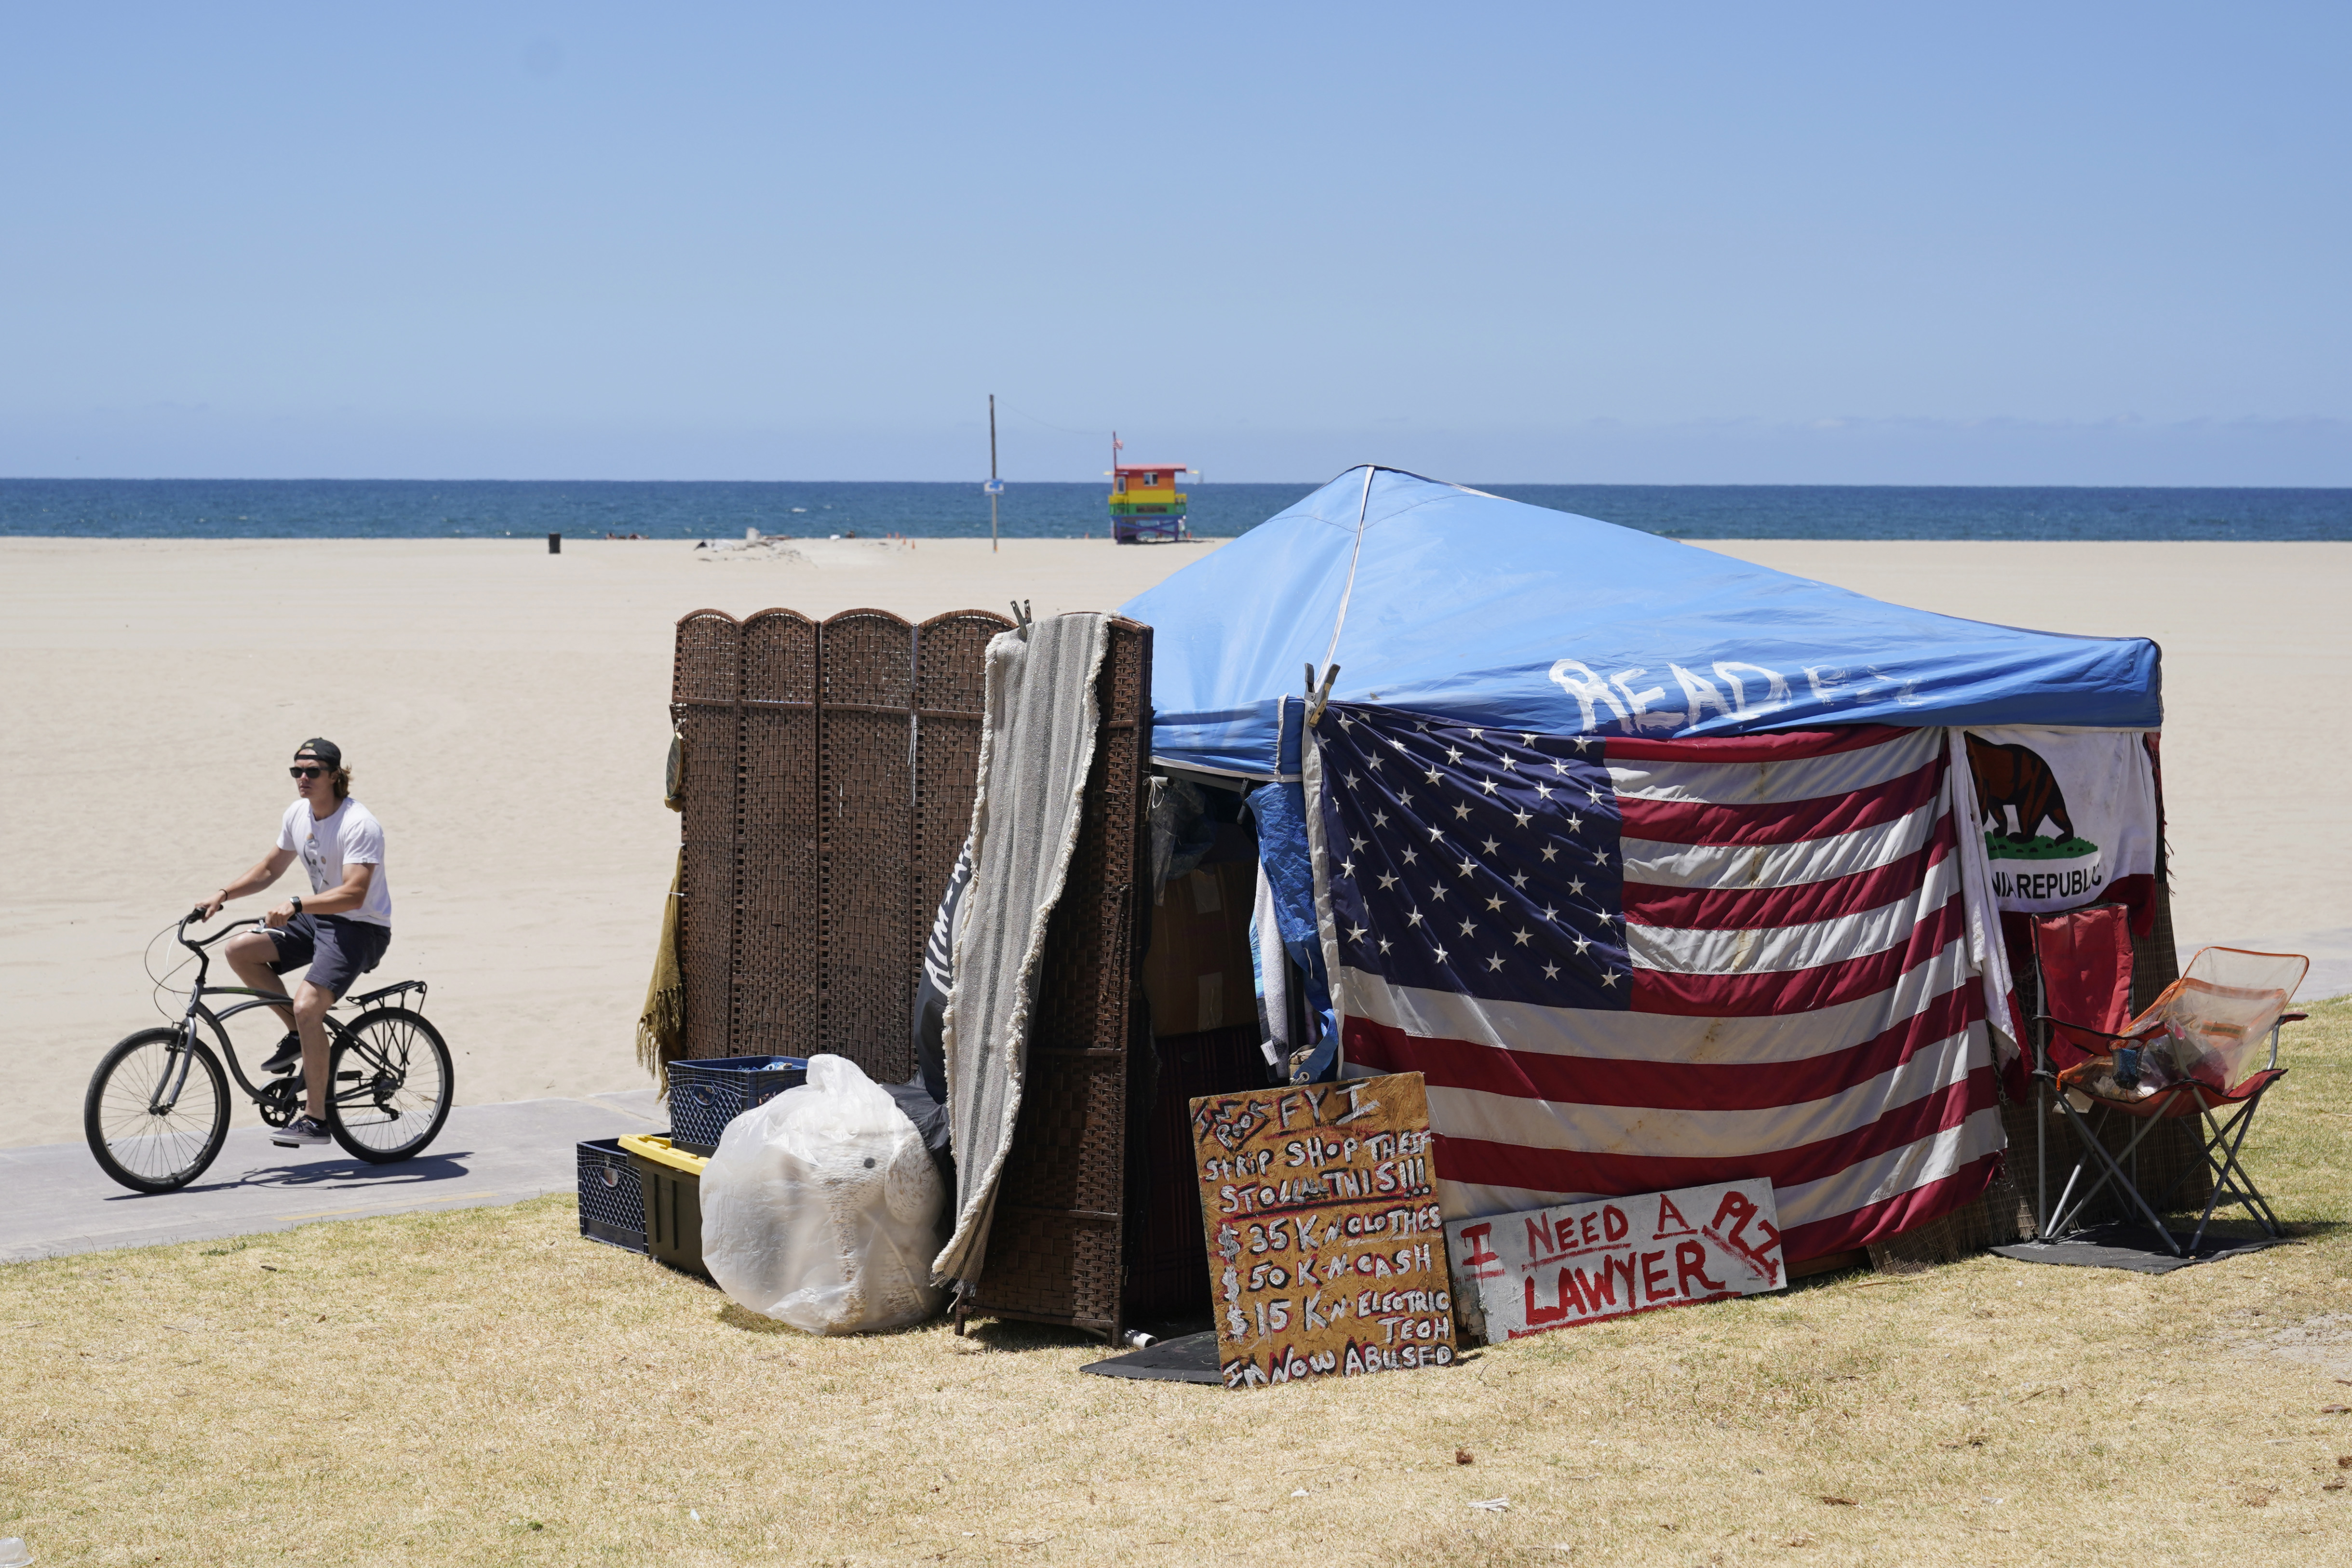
612	1195
705	1095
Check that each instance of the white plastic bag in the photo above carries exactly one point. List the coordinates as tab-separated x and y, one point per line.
822	1208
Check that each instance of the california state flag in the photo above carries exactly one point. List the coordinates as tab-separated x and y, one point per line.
2068	816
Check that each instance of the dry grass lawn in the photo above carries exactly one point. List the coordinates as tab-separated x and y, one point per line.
485	1387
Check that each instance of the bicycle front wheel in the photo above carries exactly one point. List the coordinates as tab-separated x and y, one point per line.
157	1110
390	1073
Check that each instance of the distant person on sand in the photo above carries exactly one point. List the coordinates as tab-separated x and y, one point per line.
339	929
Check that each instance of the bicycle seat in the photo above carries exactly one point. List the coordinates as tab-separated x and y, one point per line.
372	998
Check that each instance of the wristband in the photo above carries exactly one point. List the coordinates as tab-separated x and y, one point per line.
297	904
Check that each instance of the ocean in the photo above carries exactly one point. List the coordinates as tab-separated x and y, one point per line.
418	508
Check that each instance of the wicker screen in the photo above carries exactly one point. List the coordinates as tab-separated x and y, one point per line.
706	690
951	667
774	979
829	776
868	806
1055	1247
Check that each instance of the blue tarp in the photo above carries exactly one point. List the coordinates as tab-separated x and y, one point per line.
1469	606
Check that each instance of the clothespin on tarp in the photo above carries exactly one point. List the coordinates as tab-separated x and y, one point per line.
1317	696
1022	619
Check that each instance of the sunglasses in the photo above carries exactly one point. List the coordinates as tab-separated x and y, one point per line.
305	772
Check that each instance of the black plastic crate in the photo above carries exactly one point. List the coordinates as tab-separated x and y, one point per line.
673	1207
612	1195
705	1095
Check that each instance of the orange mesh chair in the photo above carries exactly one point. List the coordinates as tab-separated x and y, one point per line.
2193	1053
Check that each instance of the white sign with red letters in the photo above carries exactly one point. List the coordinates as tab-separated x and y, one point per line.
1581	1263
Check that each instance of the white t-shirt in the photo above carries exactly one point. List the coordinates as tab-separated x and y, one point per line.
349	835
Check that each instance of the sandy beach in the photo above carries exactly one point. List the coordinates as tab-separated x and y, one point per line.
504	711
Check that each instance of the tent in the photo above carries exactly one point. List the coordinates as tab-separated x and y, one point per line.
1712	709
1444	600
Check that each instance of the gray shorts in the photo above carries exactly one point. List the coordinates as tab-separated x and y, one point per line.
338	950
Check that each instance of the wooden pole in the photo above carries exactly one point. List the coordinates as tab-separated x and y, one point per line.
992	473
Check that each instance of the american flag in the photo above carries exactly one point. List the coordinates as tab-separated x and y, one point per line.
1627	965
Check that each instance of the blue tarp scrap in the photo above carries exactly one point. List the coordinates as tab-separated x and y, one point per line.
1280	811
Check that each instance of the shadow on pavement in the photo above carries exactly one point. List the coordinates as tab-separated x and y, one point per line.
420	1171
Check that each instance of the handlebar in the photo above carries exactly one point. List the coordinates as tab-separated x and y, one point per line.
193	916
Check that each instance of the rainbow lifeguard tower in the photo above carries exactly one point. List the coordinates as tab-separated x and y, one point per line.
1146	507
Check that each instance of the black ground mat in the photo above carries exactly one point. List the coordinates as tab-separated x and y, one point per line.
2132	1247
1191	1358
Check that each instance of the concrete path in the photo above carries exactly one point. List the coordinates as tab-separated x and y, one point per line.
58	1201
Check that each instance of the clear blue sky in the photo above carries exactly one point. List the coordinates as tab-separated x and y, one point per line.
1980	243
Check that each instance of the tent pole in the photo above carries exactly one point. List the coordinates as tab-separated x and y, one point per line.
2041	1109
1363	505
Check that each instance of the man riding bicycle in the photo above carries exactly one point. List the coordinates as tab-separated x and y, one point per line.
340	928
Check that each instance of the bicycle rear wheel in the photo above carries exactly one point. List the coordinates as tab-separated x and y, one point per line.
391	1082
147	1145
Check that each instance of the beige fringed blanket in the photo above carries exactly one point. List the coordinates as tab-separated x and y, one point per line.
661	1027
1037	740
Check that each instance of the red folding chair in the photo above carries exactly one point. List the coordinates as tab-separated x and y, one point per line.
2191	1053
2083	968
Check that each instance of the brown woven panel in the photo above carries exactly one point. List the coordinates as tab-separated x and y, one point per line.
801	824
2009	1202
866	683
1062	1260
1943	1240
951	680
1167	1268
776	948
705	689
708	664
1044	1267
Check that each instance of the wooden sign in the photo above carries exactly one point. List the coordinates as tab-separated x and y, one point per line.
1581	1263
1327	1251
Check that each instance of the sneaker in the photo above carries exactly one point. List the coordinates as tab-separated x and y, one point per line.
299	1131
287	1057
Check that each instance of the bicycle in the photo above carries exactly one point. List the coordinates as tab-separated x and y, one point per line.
157	1110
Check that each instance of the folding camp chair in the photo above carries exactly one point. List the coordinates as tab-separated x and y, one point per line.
2083	970
2191	1053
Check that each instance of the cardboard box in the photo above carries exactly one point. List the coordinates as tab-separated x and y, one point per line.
1197	973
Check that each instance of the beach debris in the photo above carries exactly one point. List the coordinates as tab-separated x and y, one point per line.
1462	1456
1836	1502
764	547
1493	1504
14	1552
